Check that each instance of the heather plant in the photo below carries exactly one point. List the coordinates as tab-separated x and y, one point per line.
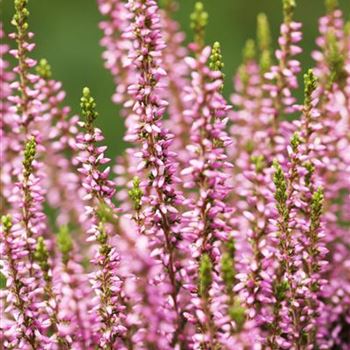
221	226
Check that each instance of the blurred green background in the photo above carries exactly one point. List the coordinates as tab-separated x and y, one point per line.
67	35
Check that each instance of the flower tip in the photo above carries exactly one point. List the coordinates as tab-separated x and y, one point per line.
249	51
198	6
331	5
199	21
216	45
86	91
263	32
64	242
44	69
288	10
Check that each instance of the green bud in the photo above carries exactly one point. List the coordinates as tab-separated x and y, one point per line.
331	5
64	242
199	21
136	193
29	156
249	53
205	277
335	59
295	142
259	163
316	208
310	85
41	255
237	314
20	17
44	69
263	32
88	108
6	221
280	183
288	10
265	61
249	50
215	60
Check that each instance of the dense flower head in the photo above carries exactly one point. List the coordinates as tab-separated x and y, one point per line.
226	227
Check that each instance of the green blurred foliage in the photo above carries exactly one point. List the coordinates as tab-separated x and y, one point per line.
67	35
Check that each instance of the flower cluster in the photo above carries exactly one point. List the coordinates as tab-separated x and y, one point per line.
220	227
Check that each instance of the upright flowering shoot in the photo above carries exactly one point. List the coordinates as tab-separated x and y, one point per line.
29	200
161	197
21	294
99	191
207	218
42	257
26	100
284	75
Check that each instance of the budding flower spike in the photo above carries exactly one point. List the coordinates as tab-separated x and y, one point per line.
29	156
218	228
331	5
264	42
199	21
136	193
310	85
288	10
336	60
88	106
64	242
215	60
44	69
